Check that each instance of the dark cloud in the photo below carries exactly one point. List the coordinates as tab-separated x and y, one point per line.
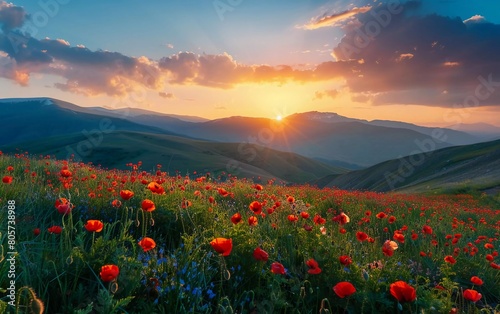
435	55
11	16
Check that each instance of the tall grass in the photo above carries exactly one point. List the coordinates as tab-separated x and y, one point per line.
184	274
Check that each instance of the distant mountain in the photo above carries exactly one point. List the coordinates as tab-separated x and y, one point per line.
183	155
36	119
455	168
482	130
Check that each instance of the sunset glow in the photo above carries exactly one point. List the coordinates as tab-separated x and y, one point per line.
216	61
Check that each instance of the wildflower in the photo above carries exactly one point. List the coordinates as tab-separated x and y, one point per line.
381	215
427	229
147	244
476	281
55	229
403	292
318	220
345	260
450	259
253	221
399	237
258	187
278	268
342	219
344	289
361	236
109	272
256	207
313	267
7	179
236	218
36	231
290	199
292	218
156	188
148	205
223	192
389	247
222	245
65	173
260	255
94	226
472	295
304	215
116	203
489	246
126	194
392	219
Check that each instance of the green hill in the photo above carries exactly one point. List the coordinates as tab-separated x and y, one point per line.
178	154
458	168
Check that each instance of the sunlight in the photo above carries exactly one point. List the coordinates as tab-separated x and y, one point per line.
279	118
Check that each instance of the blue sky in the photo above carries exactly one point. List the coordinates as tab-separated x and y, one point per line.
254	58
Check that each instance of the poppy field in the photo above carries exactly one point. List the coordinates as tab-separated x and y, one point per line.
89	240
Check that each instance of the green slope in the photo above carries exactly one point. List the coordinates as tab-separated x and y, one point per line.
116	149
475	166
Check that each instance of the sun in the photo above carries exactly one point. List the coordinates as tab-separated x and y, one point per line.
278	118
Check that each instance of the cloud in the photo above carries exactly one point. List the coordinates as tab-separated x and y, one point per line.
11	16
166	95
332	93
334	19
475	20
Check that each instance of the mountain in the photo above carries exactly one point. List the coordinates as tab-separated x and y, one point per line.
482	130
455	168
179	154
36	119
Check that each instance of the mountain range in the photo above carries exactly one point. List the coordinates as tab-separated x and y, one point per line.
304	147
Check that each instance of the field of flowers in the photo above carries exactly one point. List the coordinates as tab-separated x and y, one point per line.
89	240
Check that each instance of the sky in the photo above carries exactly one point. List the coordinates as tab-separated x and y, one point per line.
428	62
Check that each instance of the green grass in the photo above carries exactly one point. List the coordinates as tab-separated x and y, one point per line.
184	274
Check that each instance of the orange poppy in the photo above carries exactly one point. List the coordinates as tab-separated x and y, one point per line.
236	218
256	207
344	289
403	292
126	194
147	244
222	245
148	205
156	188
94	226
253	221
109	272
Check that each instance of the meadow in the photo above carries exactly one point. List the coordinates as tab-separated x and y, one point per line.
89	240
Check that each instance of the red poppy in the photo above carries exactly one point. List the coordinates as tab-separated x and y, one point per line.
147	244
55	229
292	218
427	229
450	259
318	220
313	267
94	226
260	255
148	205
361	236
126	194
156	188
278	268
256	207
36	231
253	221
489	257
258	187
392	219
345	260
109	272
290	199
476	281
344	289
304	215
399	237
236	218
116	203
65	173
472	295
7	179
223	192
10	168
222	245
381	215
489	246
389	247
403	292
341	219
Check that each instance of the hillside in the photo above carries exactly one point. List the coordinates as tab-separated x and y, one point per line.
183	155
475	166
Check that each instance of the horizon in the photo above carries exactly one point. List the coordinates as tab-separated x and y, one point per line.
213	60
